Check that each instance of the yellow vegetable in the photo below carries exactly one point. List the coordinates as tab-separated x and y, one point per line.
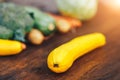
62	58
9	47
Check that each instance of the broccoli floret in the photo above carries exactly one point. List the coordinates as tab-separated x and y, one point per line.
16	18
5	33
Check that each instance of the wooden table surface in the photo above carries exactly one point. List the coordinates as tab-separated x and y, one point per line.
100	64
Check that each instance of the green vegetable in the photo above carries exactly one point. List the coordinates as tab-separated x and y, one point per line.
5	33
15	18
80	9
44	22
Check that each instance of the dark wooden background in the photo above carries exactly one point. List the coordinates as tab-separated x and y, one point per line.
100	64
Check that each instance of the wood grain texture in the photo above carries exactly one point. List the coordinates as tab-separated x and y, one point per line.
100	64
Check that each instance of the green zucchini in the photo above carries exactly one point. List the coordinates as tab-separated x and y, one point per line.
43	22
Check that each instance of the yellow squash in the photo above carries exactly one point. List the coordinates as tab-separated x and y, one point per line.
62	58
9	47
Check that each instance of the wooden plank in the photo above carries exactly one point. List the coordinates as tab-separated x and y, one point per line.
100	64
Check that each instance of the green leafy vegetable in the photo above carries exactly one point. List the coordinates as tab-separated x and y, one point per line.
5	33
15	18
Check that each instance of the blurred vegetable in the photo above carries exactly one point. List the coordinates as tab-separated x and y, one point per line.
65	24
36	37
15	18
62	25
9	47
62	58
43	22
5	33
80	9
74	22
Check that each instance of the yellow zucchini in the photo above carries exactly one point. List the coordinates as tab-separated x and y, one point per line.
9	47
62	58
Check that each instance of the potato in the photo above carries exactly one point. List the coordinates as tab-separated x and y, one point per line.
36	37
63	26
